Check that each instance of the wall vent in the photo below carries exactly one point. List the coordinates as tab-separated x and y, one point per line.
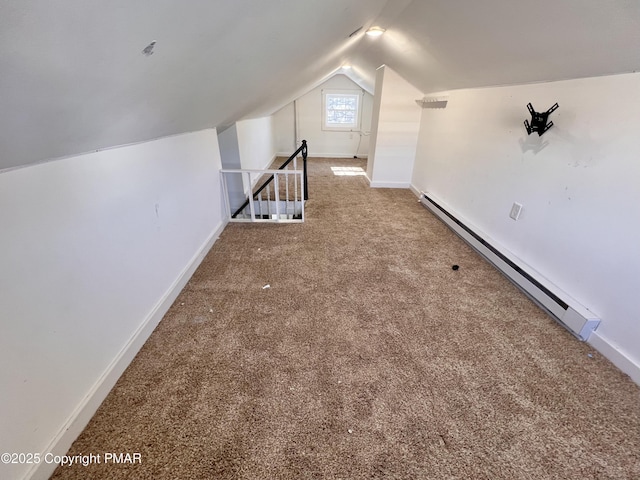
433	102
575	317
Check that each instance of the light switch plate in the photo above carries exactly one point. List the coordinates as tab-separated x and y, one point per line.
515	210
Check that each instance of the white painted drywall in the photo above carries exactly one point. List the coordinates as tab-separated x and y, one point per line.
375	120
578	184
74	78
440	44
230	157
256	142
90	248
395	131
229	149
323	143
284	130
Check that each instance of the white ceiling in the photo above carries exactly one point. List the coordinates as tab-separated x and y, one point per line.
73	77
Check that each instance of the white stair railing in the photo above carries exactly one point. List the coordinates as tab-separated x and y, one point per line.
279	201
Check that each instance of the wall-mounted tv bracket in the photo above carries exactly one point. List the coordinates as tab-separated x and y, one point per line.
539	120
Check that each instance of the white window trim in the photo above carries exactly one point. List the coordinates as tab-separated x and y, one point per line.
347	128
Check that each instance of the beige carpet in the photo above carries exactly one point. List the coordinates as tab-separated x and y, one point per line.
368	357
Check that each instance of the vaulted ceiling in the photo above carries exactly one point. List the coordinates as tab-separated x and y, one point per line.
73	76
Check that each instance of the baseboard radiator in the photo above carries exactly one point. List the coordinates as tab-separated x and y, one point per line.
571	314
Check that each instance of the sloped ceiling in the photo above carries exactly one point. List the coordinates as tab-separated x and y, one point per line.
73	77
441	45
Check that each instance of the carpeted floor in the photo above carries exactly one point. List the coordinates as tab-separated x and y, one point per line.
368	357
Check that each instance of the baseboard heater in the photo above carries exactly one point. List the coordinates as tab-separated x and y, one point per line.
575	317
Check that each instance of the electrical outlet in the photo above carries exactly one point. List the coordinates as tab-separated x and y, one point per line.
515	210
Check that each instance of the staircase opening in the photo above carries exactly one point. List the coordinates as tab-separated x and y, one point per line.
272	195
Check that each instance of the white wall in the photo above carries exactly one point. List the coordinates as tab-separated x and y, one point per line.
229	148
395	130
230	157
93	250
256	142
323	143
284	130
375	120
579	184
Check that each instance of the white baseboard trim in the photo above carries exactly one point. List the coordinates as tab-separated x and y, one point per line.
616	356
375	184
85	410
415	190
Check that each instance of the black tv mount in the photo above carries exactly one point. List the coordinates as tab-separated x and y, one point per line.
539	120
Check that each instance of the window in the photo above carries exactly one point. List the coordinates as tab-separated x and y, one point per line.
341	109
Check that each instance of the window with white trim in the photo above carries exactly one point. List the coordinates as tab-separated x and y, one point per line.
341	109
